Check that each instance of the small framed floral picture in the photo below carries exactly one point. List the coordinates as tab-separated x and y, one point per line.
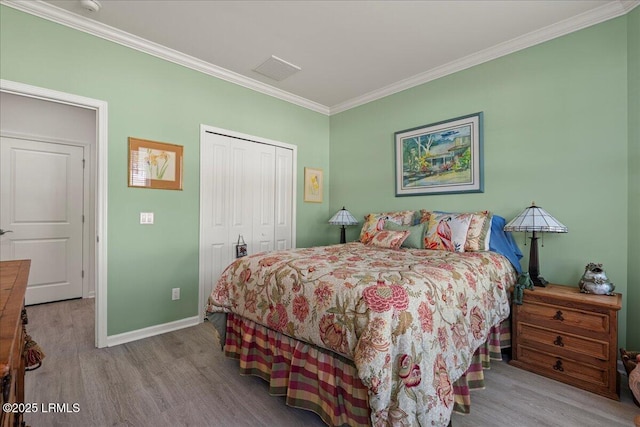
313	185
155	164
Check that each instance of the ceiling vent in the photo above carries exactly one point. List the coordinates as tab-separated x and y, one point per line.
276	68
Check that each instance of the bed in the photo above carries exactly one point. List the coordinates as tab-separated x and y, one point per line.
374	333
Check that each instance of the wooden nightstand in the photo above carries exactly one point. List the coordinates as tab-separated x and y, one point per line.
569	336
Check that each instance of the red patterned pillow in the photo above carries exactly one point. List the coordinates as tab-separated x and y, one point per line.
374	222
389	239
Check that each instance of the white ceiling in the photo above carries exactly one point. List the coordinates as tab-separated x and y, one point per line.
350	52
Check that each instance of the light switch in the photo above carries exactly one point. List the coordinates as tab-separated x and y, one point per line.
146	217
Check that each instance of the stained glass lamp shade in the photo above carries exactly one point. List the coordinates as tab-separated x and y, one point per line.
534	220
343	218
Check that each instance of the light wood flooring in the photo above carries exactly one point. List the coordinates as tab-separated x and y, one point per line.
182	379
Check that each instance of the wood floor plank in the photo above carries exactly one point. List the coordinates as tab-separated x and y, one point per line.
530	400
182	378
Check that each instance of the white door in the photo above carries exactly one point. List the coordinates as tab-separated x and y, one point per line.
261	190
220	175
246	190
283	199
233	182
41	202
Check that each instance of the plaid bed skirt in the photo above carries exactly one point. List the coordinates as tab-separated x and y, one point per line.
326	383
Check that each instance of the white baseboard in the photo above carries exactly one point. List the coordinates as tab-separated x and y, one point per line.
139	334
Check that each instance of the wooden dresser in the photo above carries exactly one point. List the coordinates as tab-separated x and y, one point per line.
569	336
13	285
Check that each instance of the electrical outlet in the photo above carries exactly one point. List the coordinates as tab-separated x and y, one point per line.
175	294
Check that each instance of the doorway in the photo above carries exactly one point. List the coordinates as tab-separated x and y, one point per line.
42	208
35	146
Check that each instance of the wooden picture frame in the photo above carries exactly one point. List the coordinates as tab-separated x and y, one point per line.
440	158
313	186
155	164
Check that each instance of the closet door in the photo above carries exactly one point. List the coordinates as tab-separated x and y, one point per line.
238	199
262	192
216	177
283	198
240	205
246	190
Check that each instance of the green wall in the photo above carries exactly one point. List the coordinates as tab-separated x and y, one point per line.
555	132
154	99
633	299
561	124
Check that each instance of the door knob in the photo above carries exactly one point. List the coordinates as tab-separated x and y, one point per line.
5	231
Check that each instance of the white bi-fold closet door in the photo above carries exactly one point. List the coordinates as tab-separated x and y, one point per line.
247	188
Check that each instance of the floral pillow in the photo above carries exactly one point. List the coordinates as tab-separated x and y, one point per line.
447	231
374	222
634	383
389	239
415	238
423	216
478	233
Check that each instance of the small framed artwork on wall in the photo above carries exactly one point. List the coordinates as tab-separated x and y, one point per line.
440	158
155	164
313	185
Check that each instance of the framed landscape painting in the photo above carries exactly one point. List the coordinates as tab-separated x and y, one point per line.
440	158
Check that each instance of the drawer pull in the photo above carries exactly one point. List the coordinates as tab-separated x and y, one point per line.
558	341
33	368
558	316
558	366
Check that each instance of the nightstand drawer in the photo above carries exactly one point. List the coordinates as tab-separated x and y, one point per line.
565	318
563	369
569	336
563	343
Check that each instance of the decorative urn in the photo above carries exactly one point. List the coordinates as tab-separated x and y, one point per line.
594	281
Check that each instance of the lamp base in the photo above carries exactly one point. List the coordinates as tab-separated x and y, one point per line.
539	281
534	264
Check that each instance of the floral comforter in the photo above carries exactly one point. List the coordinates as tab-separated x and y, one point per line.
409	319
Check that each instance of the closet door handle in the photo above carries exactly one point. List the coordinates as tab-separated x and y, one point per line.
5	231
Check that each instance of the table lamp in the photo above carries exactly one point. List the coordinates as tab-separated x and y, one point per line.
534	219
342	218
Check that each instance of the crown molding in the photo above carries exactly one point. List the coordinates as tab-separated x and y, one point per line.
629	5
578	22
55	14
69	19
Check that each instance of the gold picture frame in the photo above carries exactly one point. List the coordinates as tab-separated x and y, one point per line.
313	186
155	164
